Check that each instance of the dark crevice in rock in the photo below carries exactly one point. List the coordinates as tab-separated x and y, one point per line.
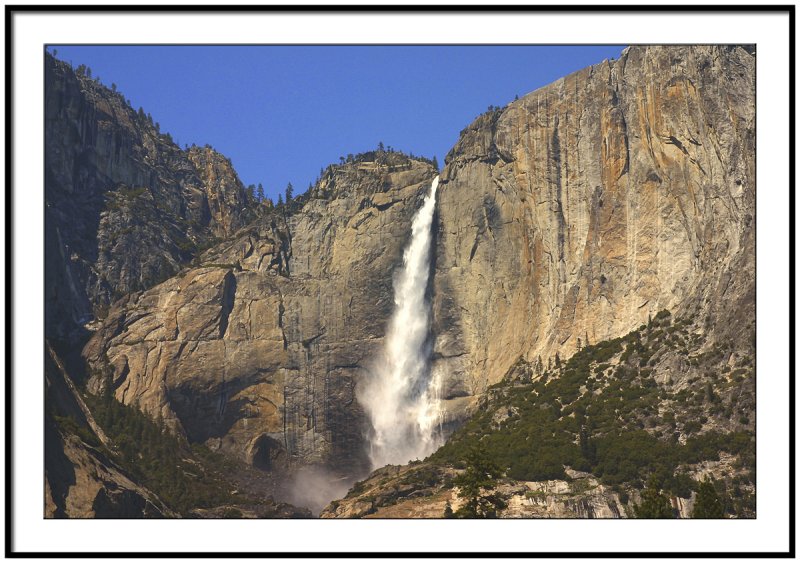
228	298
387	205
59	471
672	140
267	453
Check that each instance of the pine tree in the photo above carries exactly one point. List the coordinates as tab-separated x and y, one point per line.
654	503
710	396
280	200
707	504
588	447
448	510
435	163
476	485
260	192
289	192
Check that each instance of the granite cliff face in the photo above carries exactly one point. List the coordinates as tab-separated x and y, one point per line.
580	210
125	207
257	351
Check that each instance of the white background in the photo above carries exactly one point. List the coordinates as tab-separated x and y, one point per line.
766	533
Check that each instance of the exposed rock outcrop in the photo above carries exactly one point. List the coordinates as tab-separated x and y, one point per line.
395	492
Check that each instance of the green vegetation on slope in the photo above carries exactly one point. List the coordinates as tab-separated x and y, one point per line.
183	477
708	503
604	412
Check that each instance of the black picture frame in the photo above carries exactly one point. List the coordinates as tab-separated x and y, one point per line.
12	308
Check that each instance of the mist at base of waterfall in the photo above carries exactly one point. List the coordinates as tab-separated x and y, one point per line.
315	487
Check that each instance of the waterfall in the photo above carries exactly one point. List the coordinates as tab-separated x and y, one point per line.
401	398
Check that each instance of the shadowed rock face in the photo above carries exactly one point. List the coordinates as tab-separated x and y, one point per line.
579	210
82	481
124	205
257	351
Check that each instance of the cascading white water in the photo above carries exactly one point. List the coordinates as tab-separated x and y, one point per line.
401	398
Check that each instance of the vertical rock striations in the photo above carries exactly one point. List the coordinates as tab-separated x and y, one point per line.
576	212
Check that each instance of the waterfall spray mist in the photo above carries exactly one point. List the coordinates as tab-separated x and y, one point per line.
401	398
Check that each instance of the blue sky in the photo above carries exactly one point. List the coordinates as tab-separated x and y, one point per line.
281	113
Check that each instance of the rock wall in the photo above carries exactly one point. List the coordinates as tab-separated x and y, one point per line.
258	350
124	206
579	210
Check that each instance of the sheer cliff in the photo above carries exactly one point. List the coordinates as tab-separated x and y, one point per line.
580	210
